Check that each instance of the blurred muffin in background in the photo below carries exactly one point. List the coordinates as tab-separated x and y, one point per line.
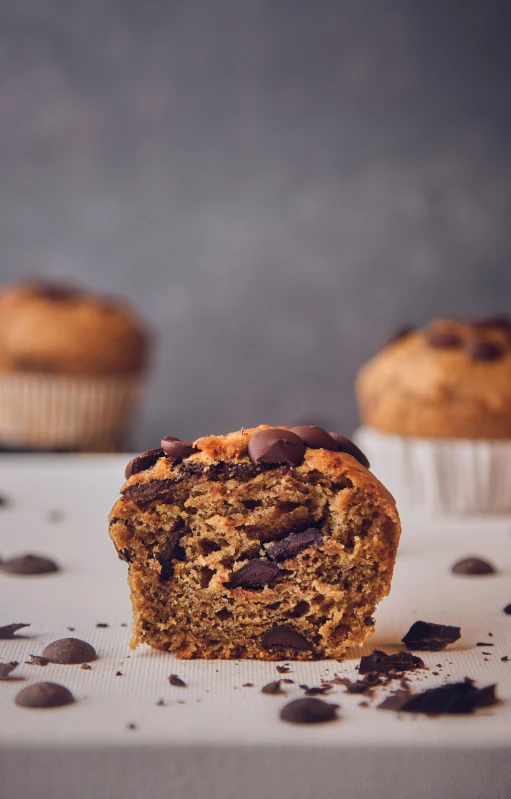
436	408
71	368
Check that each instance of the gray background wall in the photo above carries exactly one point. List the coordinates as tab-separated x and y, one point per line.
277	184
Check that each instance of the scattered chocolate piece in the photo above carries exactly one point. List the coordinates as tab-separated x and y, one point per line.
9	630
177	681
29	565
287	681
255	574
345	445
276	446
429	637
272	688
315	437
286	637
131	726
309	711
453	698
7	668
160	703
248	685
401	333
364	686
442	339
317	690
473	566
505	658
37	660
175	448
481	350
283	669
143	461
482	643
44	695
71	629
294	543
85	666
102	624
507	610
363	704
69	651
381	663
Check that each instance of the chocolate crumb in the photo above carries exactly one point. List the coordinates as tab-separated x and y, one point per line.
318	690
272	688
507	609
102	624
381	663
131	726
363	704
177	681
9	630
37	660
505	658
85	666
368	621
283	669
426	636
436	673
118	673
160	703
248	685
482	643
55	515
71	629
453	698
309	711
287	681
7	668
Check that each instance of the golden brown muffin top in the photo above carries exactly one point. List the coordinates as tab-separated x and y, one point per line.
450	379
57	329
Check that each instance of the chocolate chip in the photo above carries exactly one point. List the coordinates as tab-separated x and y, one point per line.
7	668
165	557
315	437
142	462
118	673
44	695
283	669
144	493
345	445
131	726
9	630
57	292
285	637
453	698
473	566
29	564
37	660
368	621
177	681
294	543
309	711
401	333
481	350
442	339
505	658
276	446
69	651
255	574
396	663
175	448
429	637
272	688
507	609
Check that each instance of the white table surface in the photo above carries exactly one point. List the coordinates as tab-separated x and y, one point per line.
226	740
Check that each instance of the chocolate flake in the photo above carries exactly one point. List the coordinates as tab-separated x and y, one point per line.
7	668
294	543
9	630
37	660
255	574
453	698
272	688
429	637
284	669
482	643
473	566
397	663
317	690
85	666
282	636
177	681
309	711
102	624
29	565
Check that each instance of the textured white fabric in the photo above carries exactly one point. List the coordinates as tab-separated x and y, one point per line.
227	740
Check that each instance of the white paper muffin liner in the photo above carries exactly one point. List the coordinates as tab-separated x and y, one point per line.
59	412
428	475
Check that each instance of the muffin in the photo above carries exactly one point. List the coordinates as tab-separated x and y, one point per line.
436	408
268	543
71	366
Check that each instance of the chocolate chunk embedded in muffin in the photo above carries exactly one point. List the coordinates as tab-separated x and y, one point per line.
256	544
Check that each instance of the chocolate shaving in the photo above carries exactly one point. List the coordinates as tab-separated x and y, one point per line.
453	698
7	668
426	636
9	630
177	681
381	663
